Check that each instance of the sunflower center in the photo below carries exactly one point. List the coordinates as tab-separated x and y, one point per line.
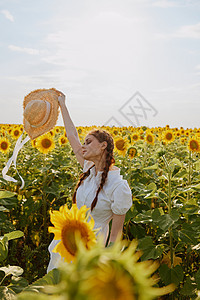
120	144
4	145
63	140
169	136
46	143
193	145
68	235
149	138
135	137
113	291
132	152
16	132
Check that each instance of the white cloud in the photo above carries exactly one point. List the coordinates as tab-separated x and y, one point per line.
7	15
189	31
30	51
165	4
197	67
184	32
177	3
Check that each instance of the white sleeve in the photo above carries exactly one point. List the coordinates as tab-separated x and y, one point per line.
87	165
122	198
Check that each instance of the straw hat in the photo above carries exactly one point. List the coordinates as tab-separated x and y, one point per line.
41	111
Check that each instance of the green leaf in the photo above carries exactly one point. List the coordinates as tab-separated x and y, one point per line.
171	275
130	214
137	230
164	222
176	161
6	293
143	217
153	167
189	209
197	279
18	284
188	235
189	287
156	213
51	278
14	235
197	165
6	194
12	270
174	214
3	248
196	186
4	209
149	250
9	202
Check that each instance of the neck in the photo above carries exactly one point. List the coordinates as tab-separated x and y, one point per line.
99	163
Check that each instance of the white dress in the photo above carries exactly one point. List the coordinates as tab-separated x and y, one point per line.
114	198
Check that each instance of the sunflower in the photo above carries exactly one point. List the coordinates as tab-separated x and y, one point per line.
149	138
52	132
45	143
132	152
58	129
121	145
115	131
183	140
111	283
4	145
168	136
62	140
16	132
34	143
193	145
135	137
67	224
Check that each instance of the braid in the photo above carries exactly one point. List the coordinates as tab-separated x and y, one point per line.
81	178
103	178
102	136
109	161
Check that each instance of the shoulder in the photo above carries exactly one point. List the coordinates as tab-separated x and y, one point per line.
113	168
115	180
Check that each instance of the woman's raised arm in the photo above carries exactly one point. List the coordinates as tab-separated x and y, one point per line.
71	131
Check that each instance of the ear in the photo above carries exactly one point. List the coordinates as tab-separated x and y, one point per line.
104	145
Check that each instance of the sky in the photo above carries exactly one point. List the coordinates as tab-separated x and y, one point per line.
119	62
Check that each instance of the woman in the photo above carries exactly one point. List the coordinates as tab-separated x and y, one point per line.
101	186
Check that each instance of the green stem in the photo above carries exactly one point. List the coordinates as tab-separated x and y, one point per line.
169	211
2	280
189	174
44	200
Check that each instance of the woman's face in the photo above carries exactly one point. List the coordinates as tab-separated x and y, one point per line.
92	148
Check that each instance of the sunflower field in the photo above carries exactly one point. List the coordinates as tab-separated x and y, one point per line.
162	167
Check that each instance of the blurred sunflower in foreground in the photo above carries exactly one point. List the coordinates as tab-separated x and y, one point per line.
67	224
101	273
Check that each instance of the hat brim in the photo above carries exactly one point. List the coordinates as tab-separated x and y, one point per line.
50	95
